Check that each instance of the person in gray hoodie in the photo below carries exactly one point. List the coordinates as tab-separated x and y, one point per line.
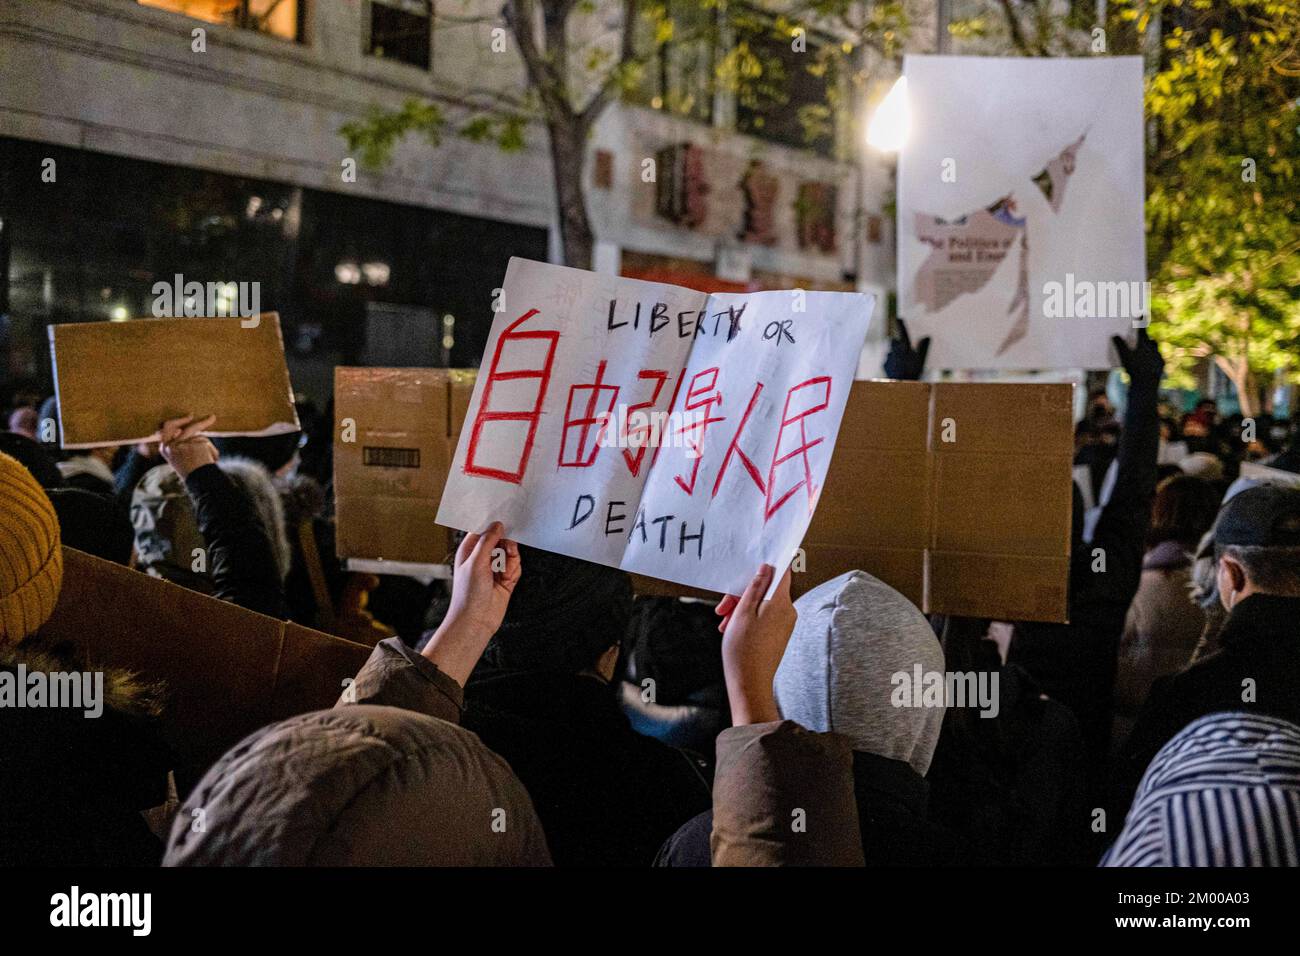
850	670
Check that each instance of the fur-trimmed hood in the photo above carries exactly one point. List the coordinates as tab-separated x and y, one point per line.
256	482
124	691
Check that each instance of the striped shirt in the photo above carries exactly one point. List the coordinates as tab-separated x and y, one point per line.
1225	791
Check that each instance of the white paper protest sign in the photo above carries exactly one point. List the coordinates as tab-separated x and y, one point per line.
669	432
1021	237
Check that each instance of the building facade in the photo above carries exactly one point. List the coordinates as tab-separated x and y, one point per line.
142	139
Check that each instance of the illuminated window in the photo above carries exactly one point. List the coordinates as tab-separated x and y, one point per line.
281	18
400	30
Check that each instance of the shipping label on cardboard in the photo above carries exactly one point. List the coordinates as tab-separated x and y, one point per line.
116	382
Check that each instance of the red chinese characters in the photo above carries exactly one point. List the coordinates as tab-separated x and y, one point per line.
581	453
638	438
509	364
590	410
700	395
804	398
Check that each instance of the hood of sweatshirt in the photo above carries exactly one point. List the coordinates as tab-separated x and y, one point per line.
855	634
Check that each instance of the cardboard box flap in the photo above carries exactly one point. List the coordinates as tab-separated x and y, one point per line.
227	670
957	494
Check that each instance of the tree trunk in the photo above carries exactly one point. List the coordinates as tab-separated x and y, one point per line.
1243	380
568	159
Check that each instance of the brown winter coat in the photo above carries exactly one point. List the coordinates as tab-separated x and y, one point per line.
783	796
1160	632
385	778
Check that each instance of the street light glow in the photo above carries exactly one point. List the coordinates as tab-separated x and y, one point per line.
892	121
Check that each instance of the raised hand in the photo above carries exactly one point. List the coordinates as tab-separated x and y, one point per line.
182	445
482	583
904	362
1143	362
754	635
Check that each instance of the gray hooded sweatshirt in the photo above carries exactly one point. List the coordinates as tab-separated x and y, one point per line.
854	634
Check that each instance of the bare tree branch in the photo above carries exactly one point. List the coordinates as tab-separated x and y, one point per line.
521	15
627	55
1015	29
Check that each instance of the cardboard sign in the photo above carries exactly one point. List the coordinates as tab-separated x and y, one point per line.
902	503
227	670
1021	238
116	382
956	494
392	451
654	428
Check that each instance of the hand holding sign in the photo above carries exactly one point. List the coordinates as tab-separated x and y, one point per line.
181	442
487	570
755	633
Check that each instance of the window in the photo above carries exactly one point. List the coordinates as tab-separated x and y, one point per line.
677	42
280	18
792	106
400	30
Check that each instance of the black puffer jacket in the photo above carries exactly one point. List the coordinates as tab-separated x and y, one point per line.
606	795
242	559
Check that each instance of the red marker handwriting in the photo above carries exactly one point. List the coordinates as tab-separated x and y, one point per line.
509	366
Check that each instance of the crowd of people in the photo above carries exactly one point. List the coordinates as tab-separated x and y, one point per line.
536	711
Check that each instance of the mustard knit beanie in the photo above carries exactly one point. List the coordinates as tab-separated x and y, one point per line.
31	560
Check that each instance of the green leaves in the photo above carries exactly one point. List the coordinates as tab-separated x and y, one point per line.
1223	199
375	137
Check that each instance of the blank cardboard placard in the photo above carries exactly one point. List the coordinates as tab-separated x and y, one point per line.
116	382
227	671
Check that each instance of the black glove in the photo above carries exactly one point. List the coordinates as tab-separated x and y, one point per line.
1143	362
904	362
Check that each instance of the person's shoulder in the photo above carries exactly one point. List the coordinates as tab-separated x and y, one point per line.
1200	681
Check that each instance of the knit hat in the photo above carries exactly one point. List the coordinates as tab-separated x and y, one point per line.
31	562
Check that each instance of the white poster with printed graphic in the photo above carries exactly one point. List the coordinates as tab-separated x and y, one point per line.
669	432
1020	210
